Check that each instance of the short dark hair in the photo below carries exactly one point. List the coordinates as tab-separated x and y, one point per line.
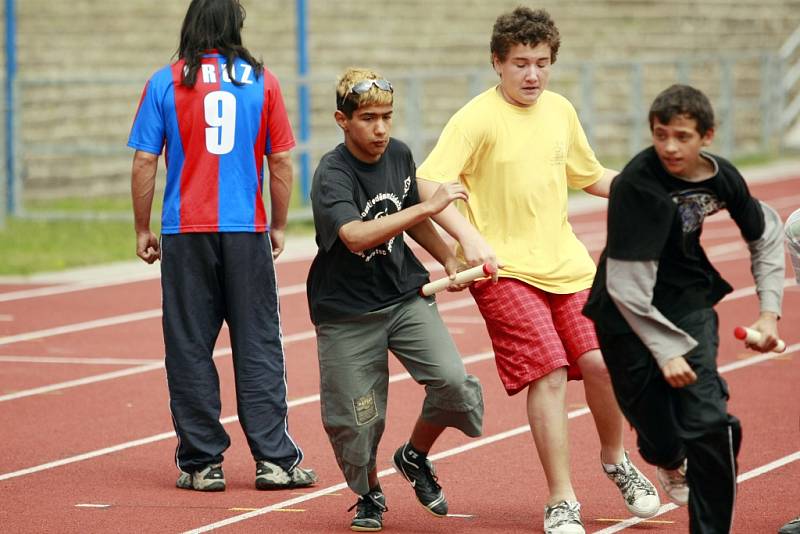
213	24
685	100
524	26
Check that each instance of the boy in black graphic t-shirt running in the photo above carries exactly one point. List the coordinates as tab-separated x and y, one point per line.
653	297
363	296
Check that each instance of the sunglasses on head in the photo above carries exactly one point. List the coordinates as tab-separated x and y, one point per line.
359	88
363	86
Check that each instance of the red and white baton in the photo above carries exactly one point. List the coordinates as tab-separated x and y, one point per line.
754	336
462	277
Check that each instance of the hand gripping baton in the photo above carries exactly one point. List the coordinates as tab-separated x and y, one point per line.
754	336
463	277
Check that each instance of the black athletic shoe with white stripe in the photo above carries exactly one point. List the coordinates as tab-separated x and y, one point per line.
369	512
420	473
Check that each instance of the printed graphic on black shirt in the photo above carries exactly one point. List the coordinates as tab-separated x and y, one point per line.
694	205
379	206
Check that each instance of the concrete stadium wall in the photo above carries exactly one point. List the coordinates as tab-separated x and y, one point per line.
83	63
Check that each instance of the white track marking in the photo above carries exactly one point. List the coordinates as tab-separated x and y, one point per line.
463	319
167	435
76	361
111	321
458	450
48	291
315	398
753	473
81	382
482	442
300	336
79	327
150	365
156	313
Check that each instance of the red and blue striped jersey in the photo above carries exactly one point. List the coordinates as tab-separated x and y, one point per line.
216	135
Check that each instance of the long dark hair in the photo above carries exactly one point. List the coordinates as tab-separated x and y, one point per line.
213	24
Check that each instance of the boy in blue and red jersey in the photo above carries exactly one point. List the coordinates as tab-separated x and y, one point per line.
219	112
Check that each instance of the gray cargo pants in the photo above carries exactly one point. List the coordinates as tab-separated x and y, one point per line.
354	380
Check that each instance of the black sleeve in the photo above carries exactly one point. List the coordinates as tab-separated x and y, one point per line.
413	193
333	204
639	219
745	209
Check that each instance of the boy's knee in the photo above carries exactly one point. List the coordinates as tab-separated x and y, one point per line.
459	392
593	367
458	406
555	380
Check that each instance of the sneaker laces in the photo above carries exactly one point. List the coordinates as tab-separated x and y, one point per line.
627	479
430	475
367	505
563	513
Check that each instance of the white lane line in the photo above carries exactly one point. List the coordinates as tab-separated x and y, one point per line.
80	382
315	398
167	435
463	319
76	361
151	365
308	334
111	321
69	288
717	251
758	471
482	442
79	327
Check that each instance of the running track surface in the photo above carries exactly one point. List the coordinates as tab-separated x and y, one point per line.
88	443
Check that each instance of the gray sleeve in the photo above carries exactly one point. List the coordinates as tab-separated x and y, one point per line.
792	230
767	262
630	285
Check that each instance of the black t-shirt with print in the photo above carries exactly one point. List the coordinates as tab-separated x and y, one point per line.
342	283
655	216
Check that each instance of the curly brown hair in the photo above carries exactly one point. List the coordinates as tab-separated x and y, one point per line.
524	26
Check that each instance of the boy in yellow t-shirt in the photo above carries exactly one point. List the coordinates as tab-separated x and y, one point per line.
517	148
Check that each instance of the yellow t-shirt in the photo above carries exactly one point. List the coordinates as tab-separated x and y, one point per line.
516	164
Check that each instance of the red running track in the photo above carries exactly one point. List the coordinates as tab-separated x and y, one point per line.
88	443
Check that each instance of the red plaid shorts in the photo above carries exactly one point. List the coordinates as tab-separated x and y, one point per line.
533	332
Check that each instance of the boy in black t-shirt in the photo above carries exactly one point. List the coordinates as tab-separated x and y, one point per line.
653	296
363	296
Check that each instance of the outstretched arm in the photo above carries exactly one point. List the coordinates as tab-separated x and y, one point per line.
143	185
360	235
476	250
602	187
768	267
429	238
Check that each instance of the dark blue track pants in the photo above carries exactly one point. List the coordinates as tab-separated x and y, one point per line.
207	278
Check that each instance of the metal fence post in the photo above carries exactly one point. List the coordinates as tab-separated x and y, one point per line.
303	101
12	177
413	115
726	91
684	71
636	109
766	101
587	100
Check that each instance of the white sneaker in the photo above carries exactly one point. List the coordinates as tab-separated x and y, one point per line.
674	484
639	493
563	518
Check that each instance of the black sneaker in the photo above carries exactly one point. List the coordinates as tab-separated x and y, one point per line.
423	479
369	512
